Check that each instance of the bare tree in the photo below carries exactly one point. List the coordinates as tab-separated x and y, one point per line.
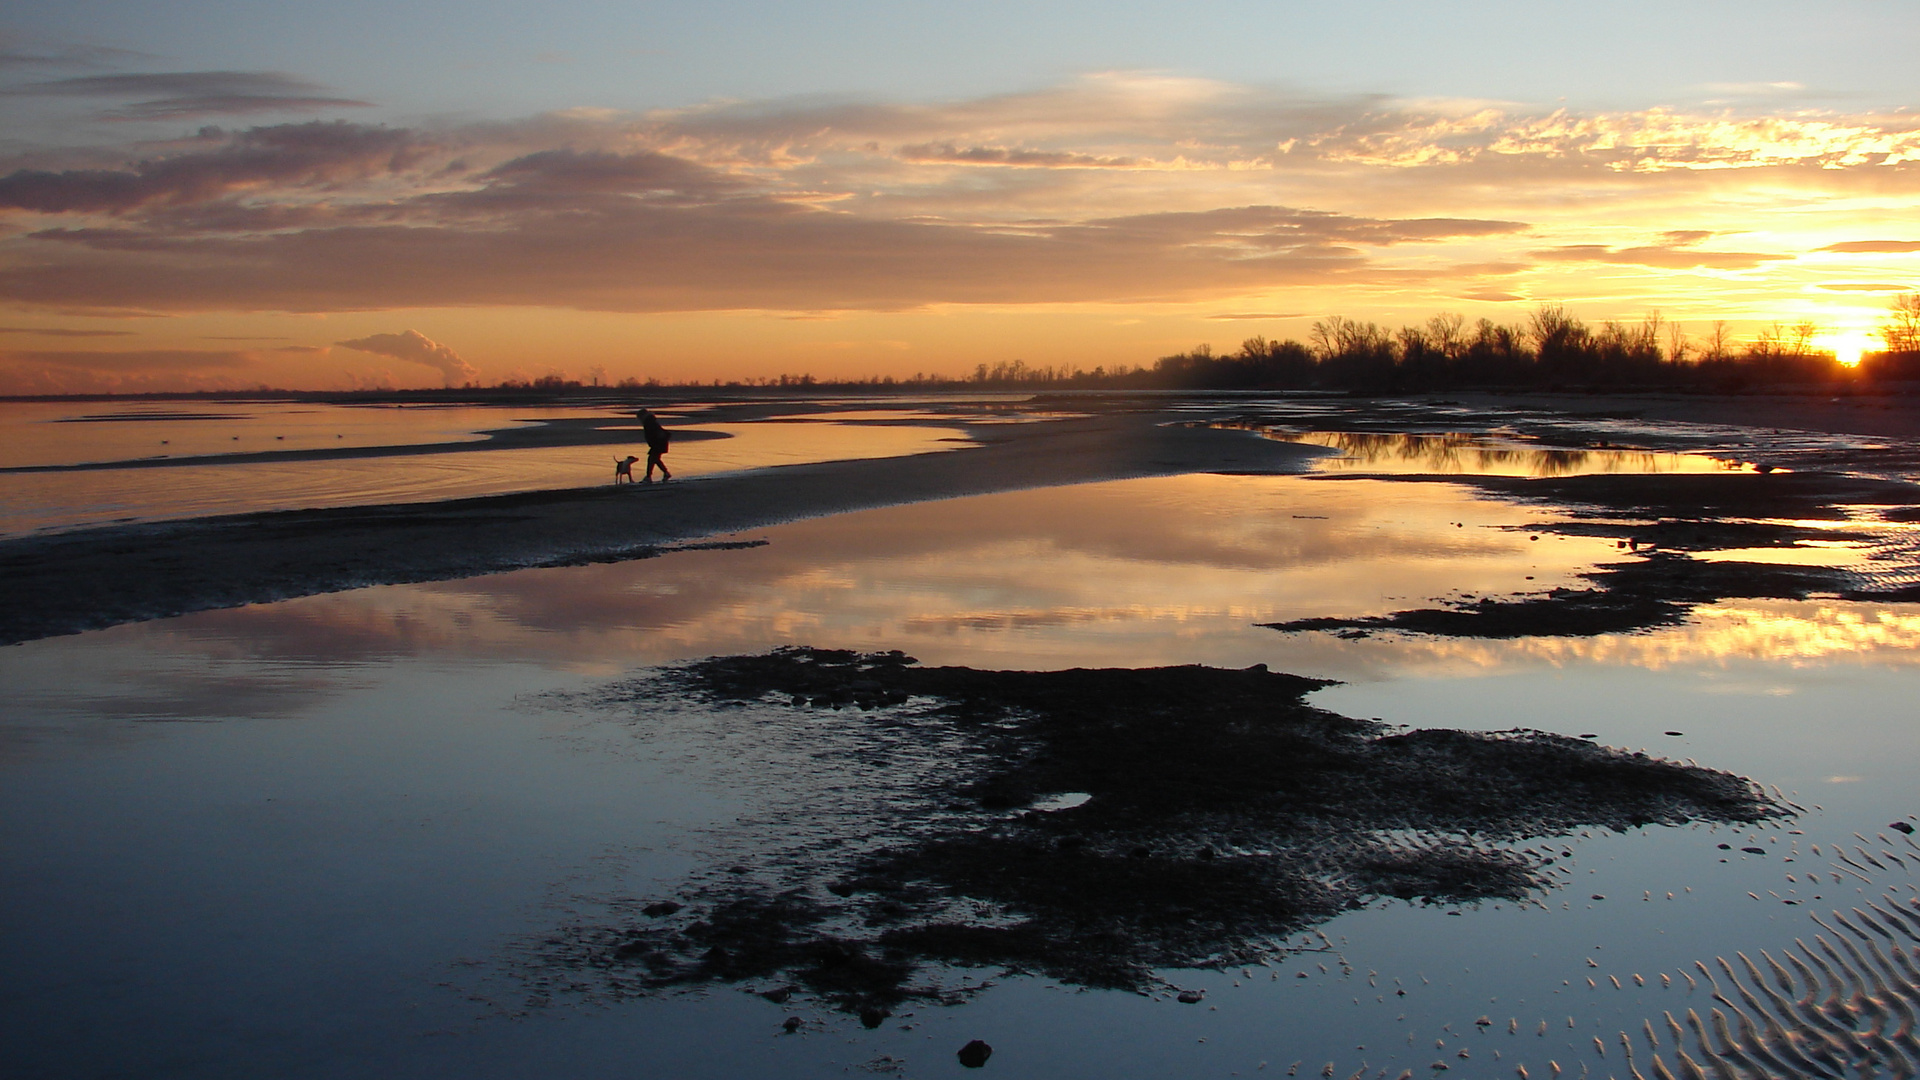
1717	343
1677	345
1801	337
1444	331
1901	331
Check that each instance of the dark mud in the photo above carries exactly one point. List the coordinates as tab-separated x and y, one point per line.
1213	813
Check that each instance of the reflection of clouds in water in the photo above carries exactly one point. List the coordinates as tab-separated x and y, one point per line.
1130	573
1095	574
1792	632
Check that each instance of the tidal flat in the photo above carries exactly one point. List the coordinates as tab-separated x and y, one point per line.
1130	737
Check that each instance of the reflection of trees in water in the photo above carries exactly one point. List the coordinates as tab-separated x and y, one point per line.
1455	452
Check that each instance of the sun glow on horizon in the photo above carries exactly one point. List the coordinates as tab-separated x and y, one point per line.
1848	345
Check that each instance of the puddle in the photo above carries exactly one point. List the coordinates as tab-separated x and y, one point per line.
1488	455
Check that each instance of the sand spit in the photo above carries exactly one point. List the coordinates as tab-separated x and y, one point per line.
561	431
84	580
1104	824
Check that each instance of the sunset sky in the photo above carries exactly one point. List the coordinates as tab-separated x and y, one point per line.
223	194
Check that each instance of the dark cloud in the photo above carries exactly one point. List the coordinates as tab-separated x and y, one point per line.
175	95
279	157
549	173
1873	247
1260	315
54	331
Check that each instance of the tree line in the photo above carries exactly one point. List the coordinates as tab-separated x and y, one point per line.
1552	349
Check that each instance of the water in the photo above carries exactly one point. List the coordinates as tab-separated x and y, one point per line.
276	447
327	837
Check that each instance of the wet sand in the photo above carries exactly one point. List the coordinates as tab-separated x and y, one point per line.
94	578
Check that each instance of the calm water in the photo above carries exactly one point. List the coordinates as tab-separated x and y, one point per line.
42	434
319	838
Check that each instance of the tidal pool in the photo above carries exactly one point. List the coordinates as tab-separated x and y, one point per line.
342	835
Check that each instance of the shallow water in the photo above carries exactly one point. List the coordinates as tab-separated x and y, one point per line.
1460	453
41	435
326	837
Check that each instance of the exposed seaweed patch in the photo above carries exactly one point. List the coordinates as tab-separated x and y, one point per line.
1214	814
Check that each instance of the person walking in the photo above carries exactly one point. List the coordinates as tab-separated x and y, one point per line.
657	440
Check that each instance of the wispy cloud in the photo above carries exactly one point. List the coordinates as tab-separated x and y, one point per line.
1873	247
56	331
184	94
171	360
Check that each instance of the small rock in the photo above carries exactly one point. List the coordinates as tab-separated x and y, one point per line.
1190	997
1754	850
791	1025
1597	896
778	997
1902	826
873	1017
975	1054
660	908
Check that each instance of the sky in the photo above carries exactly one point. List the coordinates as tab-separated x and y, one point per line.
230	195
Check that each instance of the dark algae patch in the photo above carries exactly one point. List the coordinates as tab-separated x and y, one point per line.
1105	824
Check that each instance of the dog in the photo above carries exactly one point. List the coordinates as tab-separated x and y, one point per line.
623	467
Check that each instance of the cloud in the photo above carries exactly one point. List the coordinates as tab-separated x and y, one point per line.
1866	288
997	155
625	254
19	51
416	348
1660	256
551	173
193	93
1110	189
1874	247
54	331
1258	315
132	360
282	159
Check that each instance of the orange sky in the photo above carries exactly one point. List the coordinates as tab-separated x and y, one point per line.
1107	219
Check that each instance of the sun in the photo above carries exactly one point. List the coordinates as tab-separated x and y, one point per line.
1847	346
